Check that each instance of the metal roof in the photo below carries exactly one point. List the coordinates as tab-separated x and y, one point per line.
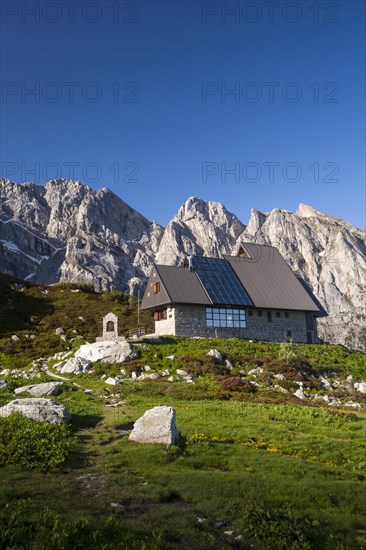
178	285
265	278
269	280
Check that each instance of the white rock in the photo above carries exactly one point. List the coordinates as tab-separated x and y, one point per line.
279	377
170	379
360	386
216	354
256	371
299	394
59	331
171	357
157	425
181	372
37	390
15	337
111	381
107	351
152	376
146	368
280	388
60	355
73	365
353	404
3	384
325	383
165	372
37	409
349	378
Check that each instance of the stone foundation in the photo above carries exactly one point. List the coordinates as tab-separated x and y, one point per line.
190	320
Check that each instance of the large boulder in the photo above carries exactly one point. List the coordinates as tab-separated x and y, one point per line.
157	425
360	386
37	390
74	365
108	351
43	410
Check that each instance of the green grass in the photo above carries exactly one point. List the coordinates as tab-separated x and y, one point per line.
282	476
278	472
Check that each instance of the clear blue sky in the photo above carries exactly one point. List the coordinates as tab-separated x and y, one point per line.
158	71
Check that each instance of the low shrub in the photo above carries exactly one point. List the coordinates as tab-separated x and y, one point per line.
235	383
30	444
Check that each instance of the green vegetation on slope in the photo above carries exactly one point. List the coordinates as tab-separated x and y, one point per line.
33	312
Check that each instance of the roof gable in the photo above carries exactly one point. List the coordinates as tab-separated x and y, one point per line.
178	285
151	297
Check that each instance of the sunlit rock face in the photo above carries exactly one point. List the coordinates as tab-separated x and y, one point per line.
66	231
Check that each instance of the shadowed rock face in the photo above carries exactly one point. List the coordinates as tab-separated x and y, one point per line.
66	231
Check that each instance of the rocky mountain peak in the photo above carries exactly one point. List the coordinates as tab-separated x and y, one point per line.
200	228
66	231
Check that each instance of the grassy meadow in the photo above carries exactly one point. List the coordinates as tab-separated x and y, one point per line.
254	468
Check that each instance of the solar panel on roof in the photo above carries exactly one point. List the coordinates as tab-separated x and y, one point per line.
220	282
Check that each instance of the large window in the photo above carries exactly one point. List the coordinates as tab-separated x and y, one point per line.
225	317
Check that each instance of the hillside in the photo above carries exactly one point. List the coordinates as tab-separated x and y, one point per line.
32	312
66	231
271	449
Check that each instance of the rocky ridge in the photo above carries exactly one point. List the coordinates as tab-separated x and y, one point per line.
66	231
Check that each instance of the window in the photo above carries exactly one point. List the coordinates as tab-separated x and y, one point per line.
269	316
250	313
156	288
160	315
260	314
225	317
287	315
288	334
278	314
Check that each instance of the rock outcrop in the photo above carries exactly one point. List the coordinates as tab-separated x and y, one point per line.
73	365
41	410
106	351
200	228
38	390
330	256
157	425
66	231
